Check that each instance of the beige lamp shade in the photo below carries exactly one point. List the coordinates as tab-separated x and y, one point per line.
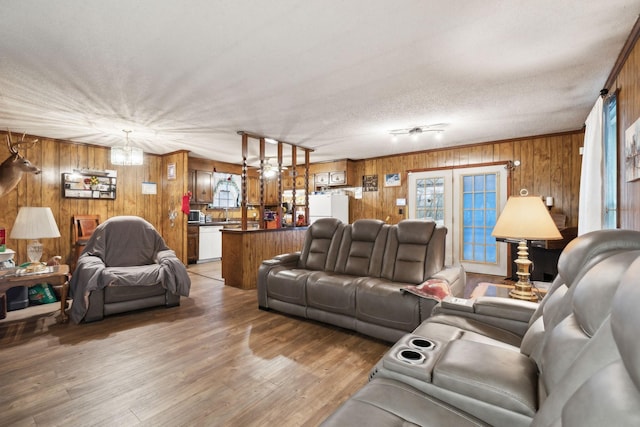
526	218
34	223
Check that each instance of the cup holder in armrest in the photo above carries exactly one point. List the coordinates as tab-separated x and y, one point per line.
411	356
421	344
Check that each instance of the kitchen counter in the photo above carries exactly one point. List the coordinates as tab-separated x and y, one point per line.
225	223
244	250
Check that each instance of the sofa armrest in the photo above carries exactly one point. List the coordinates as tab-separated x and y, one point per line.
289	260
455	277
509	314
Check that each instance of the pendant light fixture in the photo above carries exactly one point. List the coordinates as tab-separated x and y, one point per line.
126	155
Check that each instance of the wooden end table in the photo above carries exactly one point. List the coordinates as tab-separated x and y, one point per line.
58	278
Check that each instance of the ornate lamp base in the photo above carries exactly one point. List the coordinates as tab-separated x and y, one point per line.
522	288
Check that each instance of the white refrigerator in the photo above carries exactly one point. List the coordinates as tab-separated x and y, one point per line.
329	206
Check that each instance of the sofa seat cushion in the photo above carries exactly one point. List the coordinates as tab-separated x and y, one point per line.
288	285
138	275
506	379
335	293
382	302
384	402
114	294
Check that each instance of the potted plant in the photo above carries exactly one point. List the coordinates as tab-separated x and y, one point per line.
94	184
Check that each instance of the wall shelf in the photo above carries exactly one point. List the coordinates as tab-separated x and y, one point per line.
78	185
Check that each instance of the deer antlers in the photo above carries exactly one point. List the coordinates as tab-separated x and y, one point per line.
13	147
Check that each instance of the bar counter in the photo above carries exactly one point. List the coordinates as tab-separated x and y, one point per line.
244	250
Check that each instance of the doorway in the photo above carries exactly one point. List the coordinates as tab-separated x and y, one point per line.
467	201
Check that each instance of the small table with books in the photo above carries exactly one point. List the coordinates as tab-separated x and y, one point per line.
56	275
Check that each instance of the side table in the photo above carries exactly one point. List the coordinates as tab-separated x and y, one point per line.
485	289
58	278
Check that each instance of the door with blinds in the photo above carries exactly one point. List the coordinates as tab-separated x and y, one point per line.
467	201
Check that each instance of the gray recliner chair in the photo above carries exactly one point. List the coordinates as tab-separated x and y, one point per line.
469	374
126	266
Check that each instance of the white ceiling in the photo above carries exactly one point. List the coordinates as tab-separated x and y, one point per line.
332	75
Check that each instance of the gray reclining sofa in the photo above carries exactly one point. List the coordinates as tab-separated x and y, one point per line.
351	275
572	360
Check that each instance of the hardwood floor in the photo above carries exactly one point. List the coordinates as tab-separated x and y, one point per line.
214	361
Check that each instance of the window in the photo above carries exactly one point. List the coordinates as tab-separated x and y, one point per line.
430	199
226	193
610	178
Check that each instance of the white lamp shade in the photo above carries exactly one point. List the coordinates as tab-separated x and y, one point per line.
34	223
526	218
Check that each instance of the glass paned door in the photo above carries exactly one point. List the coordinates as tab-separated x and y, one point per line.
467	201
479	206
430	198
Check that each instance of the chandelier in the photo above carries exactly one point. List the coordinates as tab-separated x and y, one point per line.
126	155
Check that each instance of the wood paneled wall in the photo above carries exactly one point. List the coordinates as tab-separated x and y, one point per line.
55	157
628	85
550	166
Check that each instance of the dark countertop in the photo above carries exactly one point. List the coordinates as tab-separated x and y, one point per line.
218	223
268	230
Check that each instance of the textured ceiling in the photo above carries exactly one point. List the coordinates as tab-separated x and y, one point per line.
334	76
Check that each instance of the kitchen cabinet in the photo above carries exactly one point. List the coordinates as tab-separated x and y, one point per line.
204	187
287	183
321	179
338	178
270	187
271	191
334	174
192	243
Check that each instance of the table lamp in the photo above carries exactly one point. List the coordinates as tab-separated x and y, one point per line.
525	218
33	223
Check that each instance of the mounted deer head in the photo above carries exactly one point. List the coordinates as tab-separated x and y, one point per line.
14	166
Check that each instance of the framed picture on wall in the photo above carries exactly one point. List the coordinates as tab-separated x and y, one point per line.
370	183
171	171
632	151
392	180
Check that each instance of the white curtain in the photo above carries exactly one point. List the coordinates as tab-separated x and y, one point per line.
591	205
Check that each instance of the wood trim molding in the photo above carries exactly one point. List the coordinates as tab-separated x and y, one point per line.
474	165
476	144
623	55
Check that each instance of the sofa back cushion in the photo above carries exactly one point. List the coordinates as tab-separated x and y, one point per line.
414	251
321	244
577	258
602	385
590	301
362	248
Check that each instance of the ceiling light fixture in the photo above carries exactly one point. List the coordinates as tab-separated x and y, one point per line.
270	141
126	155
416	131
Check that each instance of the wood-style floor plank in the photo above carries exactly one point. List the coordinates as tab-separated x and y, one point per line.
216	360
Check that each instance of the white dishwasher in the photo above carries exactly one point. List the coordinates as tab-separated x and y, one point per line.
210	246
